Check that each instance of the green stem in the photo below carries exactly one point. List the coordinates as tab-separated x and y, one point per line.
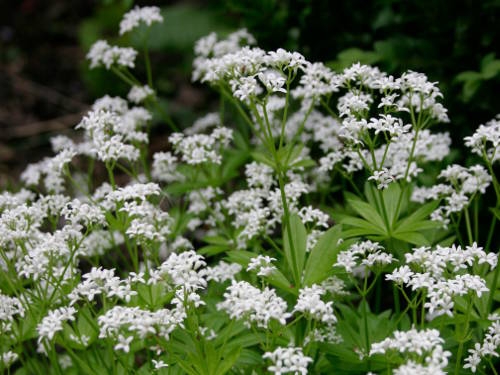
285	111
148	65
111	176
458	363
490	233
468	225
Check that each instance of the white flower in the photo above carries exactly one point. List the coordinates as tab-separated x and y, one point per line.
138	94
53	323
123	343
382	178
365	254
222	271
261	264
101	53
310	303
288	360
158	364
131	19
244	301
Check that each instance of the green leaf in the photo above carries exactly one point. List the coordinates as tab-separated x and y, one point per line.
323	256
228	361
414	238
367	226
295	252
280	281
495	211
216	240
408	223
490	69
263	158
468	76
366	211
304	163
211	250
391	199
469	89
242	257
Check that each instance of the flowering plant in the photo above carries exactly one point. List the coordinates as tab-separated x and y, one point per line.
263	238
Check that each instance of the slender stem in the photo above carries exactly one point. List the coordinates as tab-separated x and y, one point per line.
476	219
111	176
458	363
490	233
148	65
285	110
468	225
493	288
412	151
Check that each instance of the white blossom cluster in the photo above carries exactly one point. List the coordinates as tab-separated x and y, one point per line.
489	346
310	304
262	264
462	184
134	321
9	306
201	148
222	271
426	345
246	302
53	323
51	170
363	256
485	141
148	222
288	360
101	282
111	134
103	54
139	94
442	273
134	17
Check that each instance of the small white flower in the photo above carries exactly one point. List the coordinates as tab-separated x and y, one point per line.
131	19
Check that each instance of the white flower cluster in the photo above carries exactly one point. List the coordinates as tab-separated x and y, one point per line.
51	169
53	323
261	264
486	140
248	303
489	347
110	130
362	256
101	282
288	360
9	306
139	94
441	274
248	71
139	322
148	222
132	18
182	270
310	304
426	345
165	167
201	148
7	359
103	54
462	184
222	271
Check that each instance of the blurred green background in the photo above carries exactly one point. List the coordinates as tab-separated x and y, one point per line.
46	86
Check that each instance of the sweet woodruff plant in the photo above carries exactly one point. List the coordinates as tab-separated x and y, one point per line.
312	225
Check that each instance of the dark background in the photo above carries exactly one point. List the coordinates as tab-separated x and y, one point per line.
46	86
